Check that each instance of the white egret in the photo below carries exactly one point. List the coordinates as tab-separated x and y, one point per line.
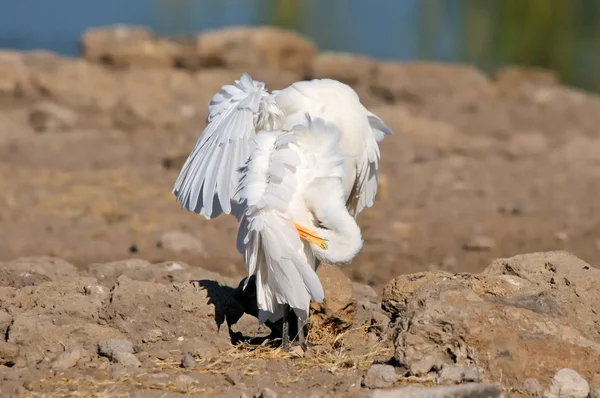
295	166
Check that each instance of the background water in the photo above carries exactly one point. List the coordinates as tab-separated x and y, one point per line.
563	35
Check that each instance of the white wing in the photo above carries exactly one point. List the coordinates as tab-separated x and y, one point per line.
273	249
210	175
365	187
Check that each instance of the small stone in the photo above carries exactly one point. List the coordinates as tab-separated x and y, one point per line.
188	361
451	374
595	393
480	243
95	290
567	383
380	376
180	242
425	365
126	359
152	336
532	387
185	382
68	359
119	371
268	393
380	318
471	374
200	348
244	394
162	354
234	378
297	352
108	348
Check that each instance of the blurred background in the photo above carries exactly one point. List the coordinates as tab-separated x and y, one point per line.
562	35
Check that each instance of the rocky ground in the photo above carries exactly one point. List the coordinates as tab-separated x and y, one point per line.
480	167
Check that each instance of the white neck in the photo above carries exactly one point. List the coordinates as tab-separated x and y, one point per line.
339	228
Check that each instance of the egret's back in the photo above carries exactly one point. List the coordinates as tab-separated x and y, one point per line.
280	167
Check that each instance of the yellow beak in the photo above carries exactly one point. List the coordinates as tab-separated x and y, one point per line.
311	236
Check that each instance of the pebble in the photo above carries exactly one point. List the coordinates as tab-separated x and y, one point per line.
595	393
380	376
162	354
185	382
567	383
471	374
234	378
109	348
532	387
188	362
425	365
450	374
268	393
68	359
126	359
48	116
152	336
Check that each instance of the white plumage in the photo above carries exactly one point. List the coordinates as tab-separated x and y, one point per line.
295	167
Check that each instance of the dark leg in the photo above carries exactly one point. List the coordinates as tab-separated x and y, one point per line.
285	338
301	337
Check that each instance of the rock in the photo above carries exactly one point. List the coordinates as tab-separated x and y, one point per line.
20	279
567	383
126	359
459	374
13	74
459	391
532	387
268	393
178	309
480	243
124	46
353	70
53	268
500	317
180	242
425	365
51	117
185	382
8	352
152	336
55	308
109	348
380	376
200	348
267	47
363	292
233	377
338	311
188	362
68	359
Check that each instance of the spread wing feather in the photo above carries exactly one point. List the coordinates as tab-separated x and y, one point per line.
208	179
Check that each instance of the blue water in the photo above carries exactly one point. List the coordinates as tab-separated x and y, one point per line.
488	33
386	29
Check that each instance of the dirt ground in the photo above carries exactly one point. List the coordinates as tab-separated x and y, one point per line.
477	169
480	167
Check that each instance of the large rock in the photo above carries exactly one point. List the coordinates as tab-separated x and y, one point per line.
123	46
179	310
267	47
51	267
353	70
54	313
522	317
